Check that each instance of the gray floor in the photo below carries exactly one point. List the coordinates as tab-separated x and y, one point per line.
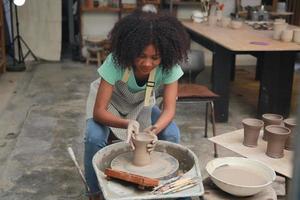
43	112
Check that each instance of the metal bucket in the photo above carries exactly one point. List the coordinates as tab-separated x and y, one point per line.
113	190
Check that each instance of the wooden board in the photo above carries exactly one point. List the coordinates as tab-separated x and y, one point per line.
132	178
233	141
240	39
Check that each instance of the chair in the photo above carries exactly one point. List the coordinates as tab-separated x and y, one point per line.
98	48
191	92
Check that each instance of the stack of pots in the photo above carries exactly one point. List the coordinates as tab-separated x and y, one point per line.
277	132
281	32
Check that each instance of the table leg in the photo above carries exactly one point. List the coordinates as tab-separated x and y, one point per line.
276	83
221	71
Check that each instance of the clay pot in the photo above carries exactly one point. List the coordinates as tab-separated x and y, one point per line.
291	124
252	128
276	140
212	20
287	35
296	37
225	21
89	3
141	156
278	27
270	119
235	24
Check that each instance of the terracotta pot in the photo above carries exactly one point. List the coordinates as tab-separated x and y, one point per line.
141	156
89	3
291	124
276	140
252	128
270	119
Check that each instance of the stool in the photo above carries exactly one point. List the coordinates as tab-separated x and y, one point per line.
191	93
94	54
98	48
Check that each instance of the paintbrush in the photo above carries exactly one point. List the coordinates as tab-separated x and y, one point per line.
181	188
71	153
167	183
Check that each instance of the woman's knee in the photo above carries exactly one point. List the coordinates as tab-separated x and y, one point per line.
171	133
96	133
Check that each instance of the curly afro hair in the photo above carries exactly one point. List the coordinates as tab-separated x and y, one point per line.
133	33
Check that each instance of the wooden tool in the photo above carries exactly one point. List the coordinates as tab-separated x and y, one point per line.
131	178
72	155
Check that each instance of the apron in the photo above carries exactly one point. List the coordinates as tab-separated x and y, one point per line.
126	104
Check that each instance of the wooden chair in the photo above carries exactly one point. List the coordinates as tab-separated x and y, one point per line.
193	93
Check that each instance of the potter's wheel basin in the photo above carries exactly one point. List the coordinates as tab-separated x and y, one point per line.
188	165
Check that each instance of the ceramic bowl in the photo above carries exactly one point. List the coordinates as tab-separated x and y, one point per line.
236	24
250	165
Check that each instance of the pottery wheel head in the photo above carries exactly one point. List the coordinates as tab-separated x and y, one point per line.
163	165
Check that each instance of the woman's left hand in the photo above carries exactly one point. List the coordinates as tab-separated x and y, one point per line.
151	130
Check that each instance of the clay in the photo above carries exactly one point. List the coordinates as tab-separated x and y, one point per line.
270	119
238	175
141	156
252	129
277	136
164	166
291	124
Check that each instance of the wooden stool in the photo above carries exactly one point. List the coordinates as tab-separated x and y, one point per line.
94	54
192	93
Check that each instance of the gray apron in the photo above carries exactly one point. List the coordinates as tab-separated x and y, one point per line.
126	104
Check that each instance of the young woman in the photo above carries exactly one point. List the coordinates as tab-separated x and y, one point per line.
145	54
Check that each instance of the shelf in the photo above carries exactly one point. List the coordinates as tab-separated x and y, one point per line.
184	3
126	8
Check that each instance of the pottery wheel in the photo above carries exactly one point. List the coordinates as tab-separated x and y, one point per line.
162	166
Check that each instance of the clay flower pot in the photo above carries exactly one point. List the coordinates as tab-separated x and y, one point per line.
141	156
270	119
291	124
252	128
89	3
276	140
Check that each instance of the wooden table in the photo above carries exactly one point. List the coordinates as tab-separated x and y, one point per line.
276	61
233	141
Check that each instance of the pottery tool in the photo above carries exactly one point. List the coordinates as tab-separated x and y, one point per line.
178	185
71	153
144	116
131	178
166	183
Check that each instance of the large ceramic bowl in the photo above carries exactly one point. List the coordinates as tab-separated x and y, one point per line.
240	189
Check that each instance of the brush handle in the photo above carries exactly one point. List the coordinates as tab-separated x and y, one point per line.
71	152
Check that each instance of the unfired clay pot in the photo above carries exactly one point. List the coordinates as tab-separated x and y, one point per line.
252	128
141	156
291	124
278	27
270	119
276	140
287	35
296	37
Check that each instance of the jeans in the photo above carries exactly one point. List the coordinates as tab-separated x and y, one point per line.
96	138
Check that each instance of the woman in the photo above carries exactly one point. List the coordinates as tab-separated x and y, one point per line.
146	49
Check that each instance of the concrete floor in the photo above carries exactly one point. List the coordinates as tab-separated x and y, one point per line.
43	112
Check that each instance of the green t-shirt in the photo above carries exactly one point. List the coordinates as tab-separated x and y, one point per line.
111	73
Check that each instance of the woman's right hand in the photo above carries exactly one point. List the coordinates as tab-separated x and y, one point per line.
132	128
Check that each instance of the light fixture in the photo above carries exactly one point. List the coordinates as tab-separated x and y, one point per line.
19	2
